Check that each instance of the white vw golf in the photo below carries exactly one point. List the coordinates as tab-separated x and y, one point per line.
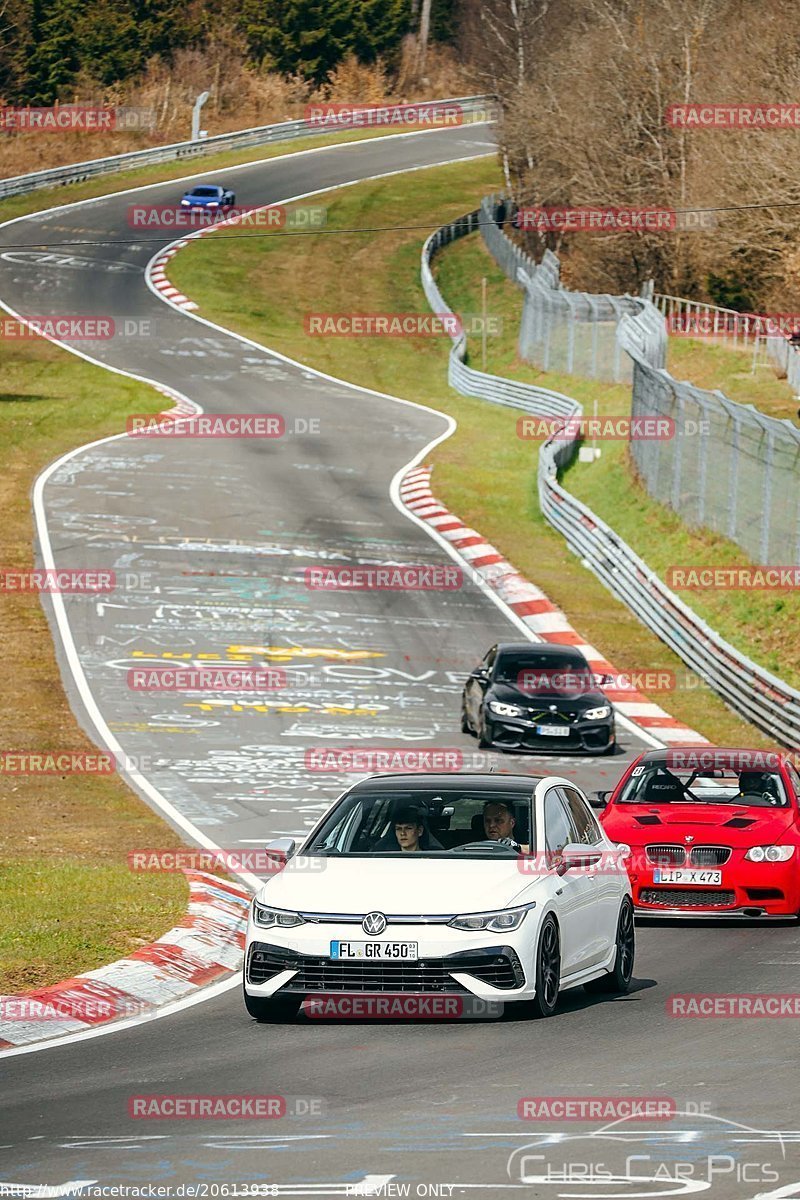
500	887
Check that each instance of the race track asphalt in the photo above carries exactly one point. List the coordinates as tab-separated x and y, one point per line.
211	539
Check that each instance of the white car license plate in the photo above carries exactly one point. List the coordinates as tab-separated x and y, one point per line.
697	878
376	951
553	730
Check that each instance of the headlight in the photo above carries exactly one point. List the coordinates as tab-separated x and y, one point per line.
769	853
186	202
498	922
505	710
269	918
597	714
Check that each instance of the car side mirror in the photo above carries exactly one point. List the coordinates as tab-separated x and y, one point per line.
576	855
281	848
480	673
598	799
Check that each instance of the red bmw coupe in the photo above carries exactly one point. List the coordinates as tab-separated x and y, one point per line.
712	832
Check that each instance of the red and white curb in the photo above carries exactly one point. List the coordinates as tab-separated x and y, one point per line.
206	945
156	270
532	606
163	285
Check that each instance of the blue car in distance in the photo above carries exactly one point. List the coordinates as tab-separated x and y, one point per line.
208	195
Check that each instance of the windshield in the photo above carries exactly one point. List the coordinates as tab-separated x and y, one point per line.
538	673
204	191
473	823
654	783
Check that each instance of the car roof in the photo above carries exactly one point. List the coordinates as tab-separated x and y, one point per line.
547	649
760	758
450	782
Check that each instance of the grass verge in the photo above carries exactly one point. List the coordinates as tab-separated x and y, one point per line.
68	901
485	473
715	366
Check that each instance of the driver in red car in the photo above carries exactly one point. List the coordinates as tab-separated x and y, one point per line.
759	783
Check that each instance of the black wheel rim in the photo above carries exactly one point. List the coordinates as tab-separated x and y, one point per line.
550	964
625	942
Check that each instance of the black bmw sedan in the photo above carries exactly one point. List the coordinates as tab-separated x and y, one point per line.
532	696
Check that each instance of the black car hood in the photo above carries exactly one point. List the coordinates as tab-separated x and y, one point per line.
508	693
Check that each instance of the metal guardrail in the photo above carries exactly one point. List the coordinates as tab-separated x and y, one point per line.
736	329
473	106
750	690
465	379
560	329
712	321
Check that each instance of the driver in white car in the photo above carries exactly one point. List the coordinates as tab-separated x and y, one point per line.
499	822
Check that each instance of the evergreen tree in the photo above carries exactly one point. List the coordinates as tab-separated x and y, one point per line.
14	16
54	53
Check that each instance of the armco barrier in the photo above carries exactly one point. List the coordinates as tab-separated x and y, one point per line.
465	379
240	139
750	690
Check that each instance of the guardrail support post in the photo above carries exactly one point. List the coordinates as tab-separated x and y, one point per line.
766	497
198	104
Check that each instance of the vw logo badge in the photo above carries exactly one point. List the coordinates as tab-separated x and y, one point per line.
374	923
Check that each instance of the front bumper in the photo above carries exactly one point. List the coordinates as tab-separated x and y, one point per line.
519	733
488	966
747	890
497	969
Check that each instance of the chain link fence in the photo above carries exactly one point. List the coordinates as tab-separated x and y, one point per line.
573	333
729	467
786	358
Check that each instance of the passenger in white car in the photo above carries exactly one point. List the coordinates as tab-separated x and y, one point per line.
408	834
